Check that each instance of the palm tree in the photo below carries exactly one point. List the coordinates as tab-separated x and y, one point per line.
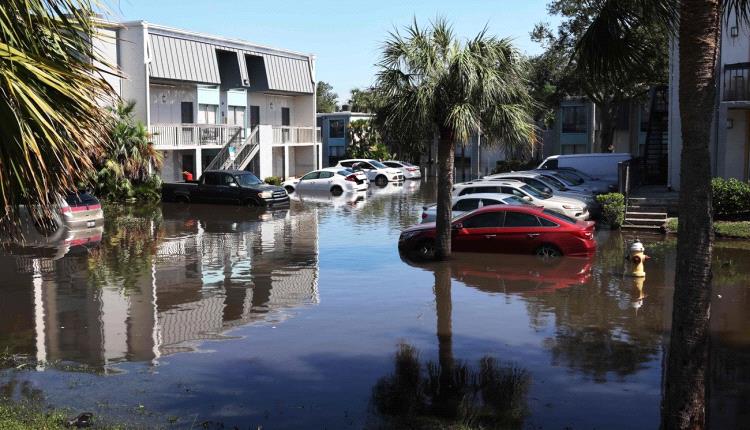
428	80
609	49
50	94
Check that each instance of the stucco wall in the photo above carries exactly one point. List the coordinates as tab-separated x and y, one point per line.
166	102
132	52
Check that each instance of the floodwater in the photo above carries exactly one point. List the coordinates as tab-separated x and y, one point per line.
206	316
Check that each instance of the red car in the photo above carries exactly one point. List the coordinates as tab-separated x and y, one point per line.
507	230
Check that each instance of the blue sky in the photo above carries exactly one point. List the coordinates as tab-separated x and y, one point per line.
344	35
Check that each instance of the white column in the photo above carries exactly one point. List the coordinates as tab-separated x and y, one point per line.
286	162
198	164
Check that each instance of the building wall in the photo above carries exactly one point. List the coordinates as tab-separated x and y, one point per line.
132	61
166	102
735	157
105	45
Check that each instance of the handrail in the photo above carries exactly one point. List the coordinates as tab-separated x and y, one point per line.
224	155
180	135
290	134
246	152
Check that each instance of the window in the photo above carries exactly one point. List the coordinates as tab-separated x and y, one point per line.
347	163
515	201
378	164
336	129
512	191
574	119
207	114
559	216
248	179
466	205
485	220
539	185
309	176
546	223
475	190
391	164
211	178
490	202
236	115
325	175
644	111
186	112
520	219
227	179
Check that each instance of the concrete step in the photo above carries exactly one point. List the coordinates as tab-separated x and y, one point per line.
654	215
642	227
645	221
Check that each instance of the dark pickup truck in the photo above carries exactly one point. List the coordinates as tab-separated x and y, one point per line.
226	187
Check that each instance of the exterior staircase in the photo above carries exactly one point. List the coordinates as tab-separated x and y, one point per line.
237	153
644	214
656	151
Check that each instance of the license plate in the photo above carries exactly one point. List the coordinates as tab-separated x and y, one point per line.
90	224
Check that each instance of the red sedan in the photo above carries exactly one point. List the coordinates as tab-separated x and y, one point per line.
507	230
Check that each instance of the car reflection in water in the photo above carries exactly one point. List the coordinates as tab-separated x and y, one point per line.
159	283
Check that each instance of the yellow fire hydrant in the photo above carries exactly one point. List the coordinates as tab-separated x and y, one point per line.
637	258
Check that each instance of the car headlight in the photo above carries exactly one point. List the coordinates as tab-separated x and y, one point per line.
571	207
265	194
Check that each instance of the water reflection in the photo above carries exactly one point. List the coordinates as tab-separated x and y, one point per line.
162	280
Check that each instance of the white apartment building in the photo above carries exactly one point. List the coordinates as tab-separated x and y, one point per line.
211	99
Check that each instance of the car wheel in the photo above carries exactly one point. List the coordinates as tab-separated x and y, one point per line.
425	250
252	203
182	199
289	189
548	252
337	190
381	181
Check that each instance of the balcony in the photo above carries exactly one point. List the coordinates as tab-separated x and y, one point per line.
296	135
193	135
735	82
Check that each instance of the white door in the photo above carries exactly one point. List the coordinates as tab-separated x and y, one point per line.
325	181
308	182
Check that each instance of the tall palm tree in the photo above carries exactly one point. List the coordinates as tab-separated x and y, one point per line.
430	81
51	93
610	49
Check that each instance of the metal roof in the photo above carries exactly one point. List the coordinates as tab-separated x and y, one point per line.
183	60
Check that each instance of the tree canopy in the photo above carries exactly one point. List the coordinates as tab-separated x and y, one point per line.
325	98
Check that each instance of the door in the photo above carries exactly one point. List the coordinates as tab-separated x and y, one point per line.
520	233
285	122
479	233
254	116
229	189
188	164
186	112
206	192
325	180
308	182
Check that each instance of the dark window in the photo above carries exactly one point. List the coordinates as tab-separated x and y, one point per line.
466	205
227	179
466	191
311	175
539	185
513	191
560	216
186	112
484	220
325	175
336	129
490	202
345	172
254	115
574	119
347	163
391	164
550	164
211	178
546	223
285	117
520	219
81	199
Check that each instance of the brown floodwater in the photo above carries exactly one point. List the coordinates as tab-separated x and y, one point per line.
307	317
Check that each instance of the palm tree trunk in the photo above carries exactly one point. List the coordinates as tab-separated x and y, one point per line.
684	400
446	154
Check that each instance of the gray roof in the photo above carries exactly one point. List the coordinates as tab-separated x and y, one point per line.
184	59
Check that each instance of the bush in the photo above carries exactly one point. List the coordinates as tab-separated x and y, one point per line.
613	209
731	199
273	180
514	166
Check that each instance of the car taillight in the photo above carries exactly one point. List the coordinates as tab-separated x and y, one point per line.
351	178
94	207
424	215
586	234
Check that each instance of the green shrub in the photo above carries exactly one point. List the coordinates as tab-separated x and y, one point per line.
273	180
613	209
731	198
514	166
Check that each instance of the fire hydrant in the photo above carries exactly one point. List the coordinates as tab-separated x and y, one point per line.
637	258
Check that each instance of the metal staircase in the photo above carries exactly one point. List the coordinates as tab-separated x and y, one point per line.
655	158
237	153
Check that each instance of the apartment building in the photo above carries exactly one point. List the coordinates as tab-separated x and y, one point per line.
214	102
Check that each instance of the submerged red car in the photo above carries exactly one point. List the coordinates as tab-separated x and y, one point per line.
507	230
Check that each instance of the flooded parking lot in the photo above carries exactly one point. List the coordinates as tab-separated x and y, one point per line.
307	317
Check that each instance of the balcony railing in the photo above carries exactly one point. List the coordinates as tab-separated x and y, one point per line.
284	134
736	85
178	135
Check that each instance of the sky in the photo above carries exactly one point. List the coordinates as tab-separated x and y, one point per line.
345	36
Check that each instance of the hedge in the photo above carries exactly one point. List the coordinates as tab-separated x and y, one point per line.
613	209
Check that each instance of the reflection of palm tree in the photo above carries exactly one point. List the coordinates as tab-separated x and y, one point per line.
450	393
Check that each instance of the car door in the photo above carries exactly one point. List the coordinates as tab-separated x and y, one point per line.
519	233
308	182
206	191
477	232
324	181
230	189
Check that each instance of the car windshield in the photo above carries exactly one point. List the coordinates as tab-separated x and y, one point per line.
535	193
80	199
378	164
554	181
560	216
515	201
570	177
579	173
345	172
247	179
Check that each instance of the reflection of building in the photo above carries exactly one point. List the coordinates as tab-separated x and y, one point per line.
209	275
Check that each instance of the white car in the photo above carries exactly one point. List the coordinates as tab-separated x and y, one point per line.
375	170
470	202
336	180
545	183
409	170
571	207
575	181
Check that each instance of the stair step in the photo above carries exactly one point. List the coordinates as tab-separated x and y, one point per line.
642	221
652	215
642	227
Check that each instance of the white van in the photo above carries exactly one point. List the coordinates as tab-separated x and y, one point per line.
601	166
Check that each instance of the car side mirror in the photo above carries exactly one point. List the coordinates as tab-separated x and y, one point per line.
458	226
233	184
547	190
527	198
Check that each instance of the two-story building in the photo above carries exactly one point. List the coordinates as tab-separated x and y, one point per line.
215	102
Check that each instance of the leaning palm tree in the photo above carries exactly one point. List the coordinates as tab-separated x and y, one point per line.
609	49
51	93
430	81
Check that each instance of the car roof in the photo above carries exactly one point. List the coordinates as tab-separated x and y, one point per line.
484	196
357	159
489	182
497	208
524	173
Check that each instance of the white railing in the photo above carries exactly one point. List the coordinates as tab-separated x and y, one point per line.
284	134
237	153
178	135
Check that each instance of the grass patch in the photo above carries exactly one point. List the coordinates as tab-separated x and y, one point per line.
16	416
725	229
